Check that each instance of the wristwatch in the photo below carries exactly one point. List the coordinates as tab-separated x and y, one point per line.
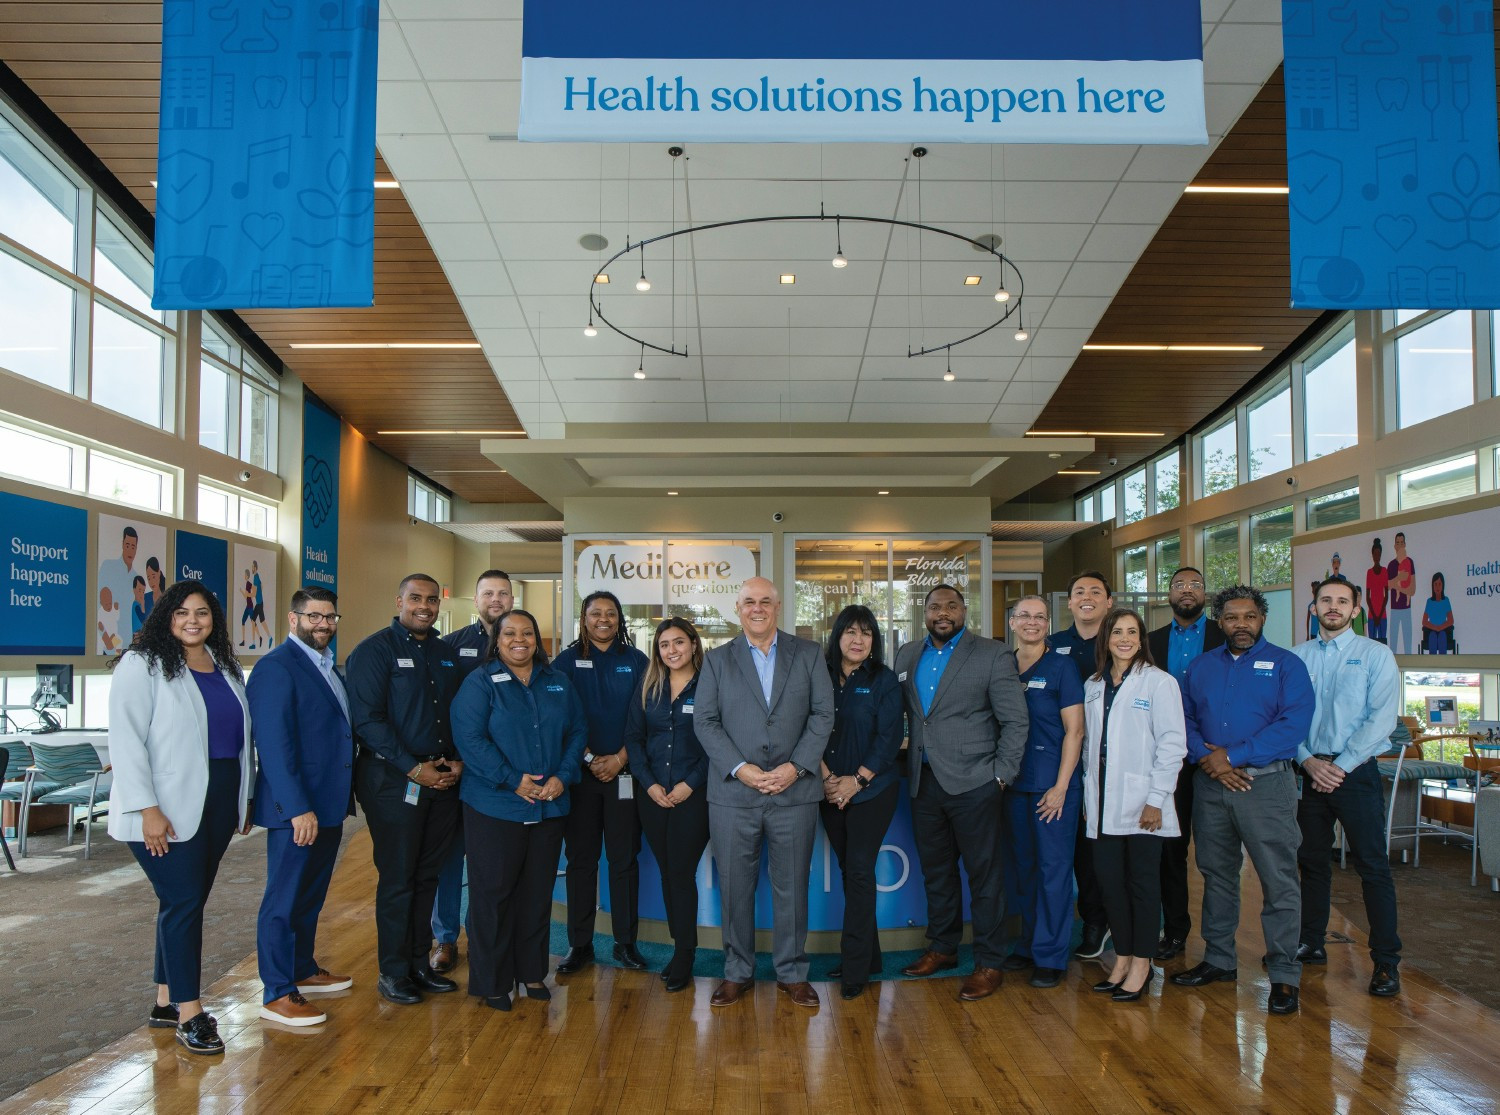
588	756
861	779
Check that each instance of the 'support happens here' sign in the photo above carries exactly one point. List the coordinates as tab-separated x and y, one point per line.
1070	71
696	576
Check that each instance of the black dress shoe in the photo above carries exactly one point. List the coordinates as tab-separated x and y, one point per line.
538	991
1283	999
1205	973
1386	982
1122	996
1105	987
676	982
1093	943
401	991
1312	954
836	972
163	1018
852	990
1169	948
199	1035
1016	962
576	961
497	1002
628	956
1046	977
428	980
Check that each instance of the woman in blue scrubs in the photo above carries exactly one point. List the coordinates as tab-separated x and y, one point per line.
1041	806
671	772
860	781
605	669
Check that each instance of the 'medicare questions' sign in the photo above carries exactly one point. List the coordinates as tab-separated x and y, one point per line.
698	576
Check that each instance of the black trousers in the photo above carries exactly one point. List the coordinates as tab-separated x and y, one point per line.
597	819
946	826
1090	899
1359	805
677	837
856	833
409	844
1129	872
1177	921
512	868
182	879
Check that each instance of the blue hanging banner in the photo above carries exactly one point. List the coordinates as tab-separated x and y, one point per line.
43	609
1070	71
201	558
1391	154
266	155
321	430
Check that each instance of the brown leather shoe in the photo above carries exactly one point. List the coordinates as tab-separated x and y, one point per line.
444	958
323	981
729	992
981	984
802	993
930	962
292	1010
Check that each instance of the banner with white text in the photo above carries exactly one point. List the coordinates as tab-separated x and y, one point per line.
46	584
1072	71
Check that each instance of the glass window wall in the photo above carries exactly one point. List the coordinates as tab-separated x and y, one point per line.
1168	492
1454	478
1328	397
1271	547
1270	430
1435	368
1219	459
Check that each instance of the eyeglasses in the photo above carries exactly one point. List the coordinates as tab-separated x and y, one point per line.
1030	617
1197	585
318	619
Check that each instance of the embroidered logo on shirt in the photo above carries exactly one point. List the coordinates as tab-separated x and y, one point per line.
862	691
624	669
901	676
1355	662
405	662
468	652
556	689
1142	703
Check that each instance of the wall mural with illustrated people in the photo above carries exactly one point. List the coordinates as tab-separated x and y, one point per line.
133	574
1430	586
252	589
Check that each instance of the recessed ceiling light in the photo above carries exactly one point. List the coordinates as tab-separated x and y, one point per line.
1093	433
971	280
671	493
387	184
883	492
451	433
432	346
1078	472
1172	348
1054	456
788	280
601	278
1196	188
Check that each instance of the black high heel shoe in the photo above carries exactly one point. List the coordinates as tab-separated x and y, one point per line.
1123	996
1105	987
540	991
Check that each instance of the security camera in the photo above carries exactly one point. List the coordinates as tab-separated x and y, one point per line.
1112	462
1291	481
777	516
244	475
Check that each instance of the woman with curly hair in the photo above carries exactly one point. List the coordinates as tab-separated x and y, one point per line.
179	743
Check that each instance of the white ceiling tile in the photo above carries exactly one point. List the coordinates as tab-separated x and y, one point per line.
1058	342
414	158
1095	279
408	11
461	241
1213	10
676	411
492	312
1147	203
1224	104
1052	162
502	343
910	412
1117	243
395	61
483	107
1018	416
451	200
463	50
1074	312
1175	163
405	106
1250	11
1244	53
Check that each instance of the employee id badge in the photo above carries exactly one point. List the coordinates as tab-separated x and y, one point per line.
413	792
627	787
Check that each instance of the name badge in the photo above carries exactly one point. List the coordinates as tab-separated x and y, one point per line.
1094	696
468	652
413	792
1264	665
627	787
901	676
498	678
1064	650
405	663
583	664
688	709
1037	683
1143	703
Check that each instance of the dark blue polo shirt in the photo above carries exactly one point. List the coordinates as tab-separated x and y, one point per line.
605	680
662	742
1051	685
867	727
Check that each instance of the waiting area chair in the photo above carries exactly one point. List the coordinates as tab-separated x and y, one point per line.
4	767
56	769
1407	763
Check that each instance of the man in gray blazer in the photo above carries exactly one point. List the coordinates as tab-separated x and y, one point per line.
966	712
765	711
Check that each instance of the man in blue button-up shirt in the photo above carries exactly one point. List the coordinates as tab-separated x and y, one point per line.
1247	706
1358	697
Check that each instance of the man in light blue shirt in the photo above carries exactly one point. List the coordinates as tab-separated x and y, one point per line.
1358	697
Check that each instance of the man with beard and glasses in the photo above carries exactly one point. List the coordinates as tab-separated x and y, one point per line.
402	681
492	599
305	747
1174	647
1358	697
1248	705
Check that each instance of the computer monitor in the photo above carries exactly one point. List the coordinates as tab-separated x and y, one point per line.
54	689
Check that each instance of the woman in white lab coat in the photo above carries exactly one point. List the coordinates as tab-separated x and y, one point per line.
1134	744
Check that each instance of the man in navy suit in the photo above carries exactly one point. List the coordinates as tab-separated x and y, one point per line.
303	792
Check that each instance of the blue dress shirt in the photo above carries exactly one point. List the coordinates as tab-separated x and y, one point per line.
1358	691
1258	707
930	667
323	660
1183	645
765	666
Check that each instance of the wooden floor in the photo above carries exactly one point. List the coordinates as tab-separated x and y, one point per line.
616	1041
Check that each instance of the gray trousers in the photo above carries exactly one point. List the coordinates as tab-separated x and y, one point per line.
737	834
1264	820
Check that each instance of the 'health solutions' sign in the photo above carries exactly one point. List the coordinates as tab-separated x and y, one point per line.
1072	71
697	576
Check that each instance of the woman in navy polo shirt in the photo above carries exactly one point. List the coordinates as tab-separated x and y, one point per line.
521	732
1041	806
671	771
860	781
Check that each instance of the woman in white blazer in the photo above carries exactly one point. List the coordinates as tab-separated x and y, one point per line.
179	744
1134	744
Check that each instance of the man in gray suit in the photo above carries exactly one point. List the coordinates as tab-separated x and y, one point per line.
966	712
765	711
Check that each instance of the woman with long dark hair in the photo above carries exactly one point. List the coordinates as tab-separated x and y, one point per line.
179	744
859	781
521	733
671	771
1135	741
604	668
1437	619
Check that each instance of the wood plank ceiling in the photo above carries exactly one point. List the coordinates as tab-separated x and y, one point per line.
1216	272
